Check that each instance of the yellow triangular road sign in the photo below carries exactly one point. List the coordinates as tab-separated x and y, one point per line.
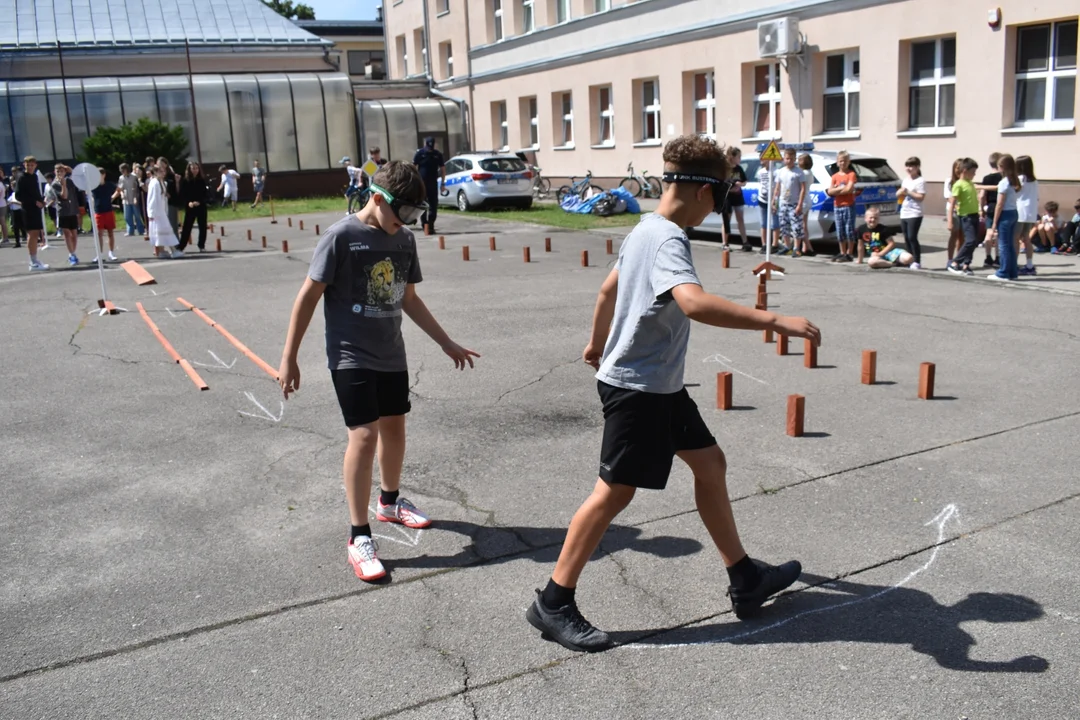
771	153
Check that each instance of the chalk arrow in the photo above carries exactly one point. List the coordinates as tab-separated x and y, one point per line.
220	362
408	536
266	414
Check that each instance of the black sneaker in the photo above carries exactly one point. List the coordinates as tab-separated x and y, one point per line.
566	626
746	247
774	578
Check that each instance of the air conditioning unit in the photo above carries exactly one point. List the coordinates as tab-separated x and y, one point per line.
778	37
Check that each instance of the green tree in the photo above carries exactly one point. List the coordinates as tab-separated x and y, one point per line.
289	9
110	146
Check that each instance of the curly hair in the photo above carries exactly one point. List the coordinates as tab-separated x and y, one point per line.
696	155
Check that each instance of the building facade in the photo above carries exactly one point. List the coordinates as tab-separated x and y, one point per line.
244	83
597	84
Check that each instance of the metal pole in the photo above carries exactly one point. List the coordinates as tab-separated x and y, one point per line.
767	240
194	115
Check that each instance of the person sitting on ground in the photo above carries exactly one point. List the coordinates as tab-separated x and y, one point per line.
1048	227
1071	234
876	240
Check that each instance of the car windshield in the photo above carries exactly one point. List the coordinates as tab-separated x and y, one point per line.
869	170
502	164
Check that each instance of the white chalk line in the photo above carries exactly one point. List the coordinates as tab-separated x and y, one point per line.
410	540
267	415
718	358
949	512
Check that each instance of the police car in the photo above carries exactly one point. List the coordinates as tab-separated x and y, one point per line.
477	180
875	180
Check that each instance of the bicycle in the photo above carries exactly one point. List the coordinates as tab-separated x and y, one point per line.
357	197
541	185
583	188
636	183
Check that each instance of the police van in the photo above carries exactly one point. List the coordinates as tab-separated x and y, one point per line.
875	181
483	180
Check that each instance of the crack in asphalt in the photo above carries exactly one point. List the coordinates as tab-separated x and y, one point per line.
978	323
323	600
550	370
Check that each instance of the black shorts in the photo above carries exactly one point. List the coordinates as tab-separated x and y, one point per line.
642	433
32	220
69	222
367	395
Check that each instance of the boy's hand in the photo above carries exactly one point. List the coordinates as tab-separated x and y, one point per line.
798	327
592	355
289	377
460	355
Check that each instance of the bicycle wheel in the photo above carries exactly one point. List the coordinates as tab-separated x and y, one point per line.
589	190
631	185
543	187
655	189
562	192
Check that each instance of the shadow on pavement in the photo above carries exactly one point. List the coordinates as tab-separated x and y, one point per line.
864	613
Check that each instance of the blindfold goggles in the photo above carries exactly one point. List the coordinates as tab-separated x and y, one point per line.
719	187
407	213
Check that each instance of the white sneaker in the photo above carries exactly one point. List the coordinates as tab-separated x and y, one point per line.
36	264
364	561
915	266
111	256
176	254
44	245
995	276
127	234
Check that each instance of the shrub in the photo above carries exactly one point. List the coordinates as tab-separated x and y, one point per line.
132	142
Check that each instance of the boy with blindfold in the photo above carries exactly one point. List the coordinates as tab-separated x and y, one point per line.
641	326
366	269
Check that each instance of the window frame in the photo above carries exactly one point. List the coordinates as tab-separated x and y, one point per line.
772	97
528	10
707	103
600	6
566	100
563	8
848	87
650	106
534	122
497	21
1050	77
938	81
443	7
605	116
504	126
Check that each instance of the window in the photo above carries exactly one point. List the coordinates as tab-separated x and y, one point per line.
502	128
650	110
562	11
1045	73
704	104
403	55
446	56
562	106
841	93
359	60
443	6
767	100
497	17
502	165
605	116
932	96
528	17
534	124
420	42
601	5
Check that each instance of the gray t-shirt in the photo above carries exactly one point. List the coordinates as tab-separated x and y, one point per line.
130	189
646	347
366	272
790	181
70	206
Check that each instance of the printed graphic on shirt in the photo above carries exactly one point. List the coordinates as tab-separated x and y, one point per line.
385	290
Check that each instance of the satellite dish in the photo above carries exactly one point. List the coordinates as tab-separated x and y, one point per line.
86	176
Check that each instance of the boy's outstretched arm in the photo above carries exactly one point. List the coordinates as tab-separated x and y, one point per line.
601	321
418	312
699	305
304	307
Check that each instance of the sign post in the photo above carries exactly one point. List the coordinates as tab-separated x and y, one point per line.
769	155
86	177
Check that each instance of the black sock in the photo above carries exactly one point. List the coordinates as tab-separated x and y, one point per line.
355	530
744	574
388	497
555	595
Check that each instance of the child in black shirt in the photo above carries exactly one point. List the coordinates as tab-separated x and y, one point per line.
877	240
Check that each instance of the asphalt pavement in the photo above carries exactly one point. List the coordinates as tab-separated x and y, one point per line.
175	553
